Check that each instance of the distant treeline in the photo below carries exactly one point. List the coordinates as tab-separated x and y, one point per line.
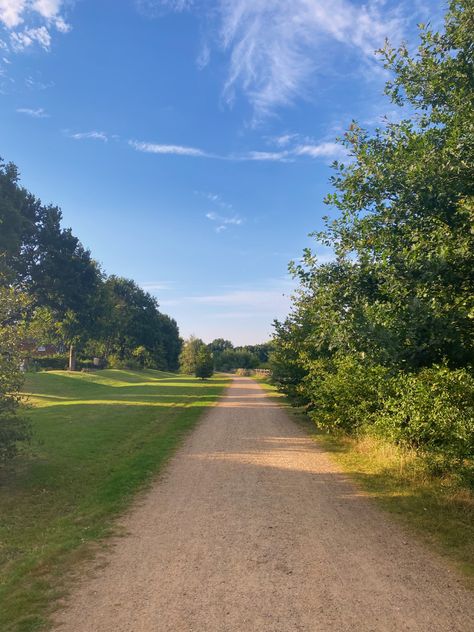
223	355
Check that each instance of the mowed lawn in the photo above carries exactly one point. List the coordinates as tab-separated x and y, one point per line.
97	439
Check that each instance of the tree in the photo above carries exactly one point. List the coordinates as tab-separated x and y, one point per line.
189	355
204	363
381	339
401	289
232	359
13	428
133	330
19	217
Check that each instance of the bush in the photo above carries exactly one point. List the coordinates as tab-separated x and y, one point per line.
433	412
57	362
115	362
204	364
345	392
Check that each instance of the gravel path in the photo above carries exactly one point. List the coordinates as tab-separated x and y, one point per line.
253	528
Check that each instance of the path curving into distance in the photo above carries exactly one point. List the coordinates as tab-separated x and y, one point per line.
252	528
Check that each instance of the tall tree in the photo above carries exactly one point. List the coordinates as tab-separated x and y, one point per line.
13	428
189	355
401	290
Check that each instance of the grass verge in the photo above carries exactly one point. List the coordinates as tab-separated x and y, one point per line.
98	439
440	510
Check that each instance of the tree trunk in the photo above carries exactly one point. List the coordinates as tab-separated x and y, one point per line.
72	358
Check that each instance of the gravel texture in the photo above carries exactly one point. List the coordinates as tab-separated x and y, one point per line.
253	528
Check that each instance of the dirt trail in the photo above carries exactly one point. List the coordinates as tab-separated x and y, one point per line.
253	529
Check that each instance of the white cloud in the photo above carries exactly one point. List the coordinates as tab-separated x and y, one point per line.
47	8
37	84
23	39
268	156
154	286
215	198
276	48
11	12
311	149
224	221
240	298
30	22
283	140
35	113
180	150
322	150
157	8
93	135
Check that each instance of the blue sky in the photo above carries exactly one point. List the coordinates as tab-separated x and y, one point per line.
188	142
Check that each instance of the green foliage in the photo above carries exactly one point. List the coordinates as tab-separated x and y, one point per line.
74	304
232	359
204	364
13	428
229	358
57	362
398	298
433	412
189	355
346	393
133	332
219	345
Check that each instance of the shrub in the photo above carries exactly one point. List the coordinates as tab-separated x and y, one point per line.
345	392
433	412
116	362
57	362
204	364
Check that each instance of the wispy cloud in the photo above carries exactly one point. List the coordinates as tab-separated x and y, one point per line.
156	8
216	199
275	46
155	286
35	113
93	135
241	298
180	150
224	221
313	150
283	140
322	150
267	156
30	22
277	49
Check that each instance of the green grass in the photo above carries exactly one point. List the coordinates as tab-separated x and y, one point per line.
439	510
98	438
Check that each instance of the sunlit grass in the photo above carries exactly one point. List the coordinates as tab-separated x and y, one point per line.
98	438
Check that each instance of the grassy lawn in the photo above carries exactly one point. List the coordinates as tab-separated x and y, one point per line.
439	510
98	438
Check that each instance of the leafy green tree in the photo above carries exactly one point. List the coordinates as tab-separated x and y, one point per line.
19	217
204	363
219	345
13	428
401	287
232	359
396	306
189	355
133	321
